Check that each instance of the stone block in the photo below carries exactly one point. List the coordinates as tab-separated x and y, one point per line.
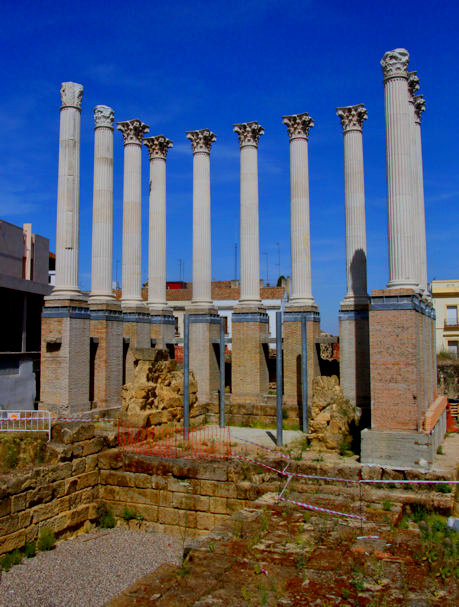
168	516
125	479
205	521
217	505
190	502
5	506
129	494
12	541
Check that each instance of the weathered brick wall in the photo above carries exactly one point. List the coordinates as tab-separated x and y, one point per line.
292	359
108	363
249	369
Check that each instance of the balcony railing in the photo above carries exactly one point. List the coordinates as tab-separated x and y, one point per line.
451	325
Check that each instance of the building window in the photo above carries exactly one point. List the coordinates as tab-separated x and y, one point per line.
453	348
225	324
451	316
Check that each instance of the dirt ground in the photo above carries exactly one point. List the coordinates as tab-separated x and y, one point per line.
278	554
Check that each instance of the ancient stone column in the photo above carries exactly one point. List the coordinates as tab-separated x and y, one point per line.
133	132
136	329
400	208
68	192
204	321
418	105
249	134
250	330
65	316
353	315
298	127
106	327
161	317
301	305
102	213
201	142
352	118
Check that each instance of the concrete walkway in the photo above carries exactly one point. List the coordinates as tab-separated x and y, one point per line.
266	438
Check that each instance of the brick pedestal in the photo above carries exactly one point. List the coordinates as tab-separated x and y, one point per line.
293	389
250	334
136	334
65	356
354	351
204	360
106	354
402	368
162	328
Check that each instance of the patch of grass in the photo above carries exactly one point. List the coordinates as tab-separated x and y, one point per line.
46	539
30	550
105	518
6	562
128	513
439	547
345	594
387	506
444	488
440	451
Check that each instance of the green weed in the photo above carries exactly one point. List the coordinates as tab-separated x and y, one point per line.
387	505
46	539
105	518
128	513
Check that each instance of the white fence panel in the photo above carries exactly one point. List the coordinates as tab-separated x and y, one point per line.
25	421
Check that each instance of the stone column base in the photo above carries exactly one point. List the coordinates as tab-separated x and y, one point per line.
402	450
204	360
136	334
249	368
64	372
106	333
354	354
401	364
293	390
162	328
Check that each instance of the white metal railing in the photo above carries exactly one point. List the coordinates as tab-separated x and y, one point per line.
25	421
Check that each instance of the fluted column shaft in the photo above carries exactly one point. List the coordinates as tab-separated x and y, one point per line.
157	147
352	118
102	218
417	107
201	142
249	134
422	246
68	192
133	131
402	265
250	246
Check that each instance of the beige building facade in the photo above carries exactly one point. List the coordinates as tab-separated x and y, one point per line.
445	295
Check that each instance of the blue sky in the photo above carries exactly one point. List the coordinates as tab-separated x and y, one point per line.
185	65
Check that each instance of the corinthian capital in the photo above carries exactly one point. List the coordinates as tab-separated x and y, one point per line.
352	117
298	125
157	146
104	116
395	63
419	107
71	94
133	130
201	141
248	133
413	84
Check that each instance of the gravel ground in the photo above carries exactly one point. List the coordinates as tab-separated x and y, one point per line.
87	571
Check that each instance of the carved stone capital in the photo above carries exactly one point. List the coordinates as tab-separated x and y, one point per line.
298	125
201	141
352	117
133	130
158	146
395	63
419	107
71	94
413	84
248	133
103	116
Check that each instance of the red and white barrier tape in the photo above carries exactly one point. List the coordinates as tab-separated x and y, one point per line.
81	419
319	509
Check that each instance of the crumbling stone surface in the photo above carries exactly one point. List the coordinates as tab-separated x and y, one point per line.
155	396
331	415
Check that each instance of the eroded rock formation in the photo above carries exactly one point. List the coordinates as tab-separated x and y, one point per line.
331	416
155	396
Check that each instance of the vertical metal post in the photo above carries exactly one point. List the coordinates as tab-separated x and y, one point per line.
304	374
279	383
222	372
186	375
